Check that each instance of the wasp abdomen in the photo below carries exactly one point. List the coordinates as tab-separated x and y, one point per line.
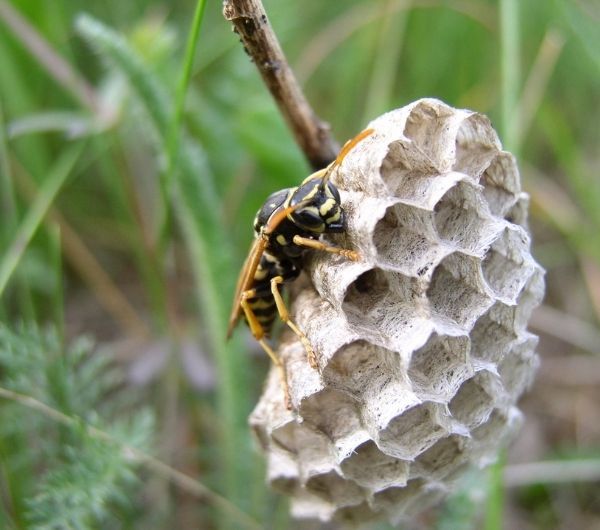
263	303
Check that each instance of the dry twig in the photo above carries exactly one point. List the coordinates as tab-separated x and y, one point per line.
260	42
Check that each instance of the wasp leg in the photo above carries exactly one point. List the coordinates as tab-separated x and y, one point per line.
285	316
259	333
319	245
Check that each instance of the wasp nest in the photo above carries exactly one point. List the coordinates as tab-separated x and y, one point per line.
422	345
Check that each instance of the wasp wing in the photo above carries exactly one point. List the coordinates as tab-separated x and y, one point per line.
245	280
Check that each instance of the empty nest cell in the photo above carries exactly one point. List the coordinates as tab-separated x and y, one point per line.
342	417
439	367
429	127
441	459
406	241
387	309
463	221
501	183
507	265
331	487
373	469
412	432
457	291
473	403
492	335
476	145
517	214
518	367
354	367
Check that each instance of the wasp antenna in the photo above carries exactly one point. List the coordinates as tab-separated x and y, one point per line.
348	146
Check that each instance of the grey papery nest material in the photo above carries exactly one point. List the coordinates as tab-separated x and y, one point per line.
422	345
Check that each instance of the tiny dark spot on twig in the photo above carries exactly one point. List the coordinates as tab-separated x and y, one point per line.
249	25
274	66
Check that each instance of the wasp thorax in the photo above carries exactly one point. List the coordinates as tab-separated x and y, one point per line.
319	207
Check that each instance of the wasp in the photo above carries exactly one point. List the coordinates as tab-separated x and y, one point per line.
287	226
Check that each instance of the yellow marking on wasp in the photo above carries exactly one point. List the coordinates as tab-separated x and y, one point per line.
281	240
315	175
262	303
335	217
311	193
260	273
326	206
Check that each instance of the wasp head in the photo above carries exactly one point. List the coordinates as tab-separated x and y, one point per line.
318	206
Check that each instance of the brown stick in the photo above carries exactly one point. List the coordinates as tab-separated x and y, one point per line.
260	42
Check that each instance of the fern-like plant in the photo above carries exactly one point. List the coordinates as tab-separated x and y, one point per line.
63	474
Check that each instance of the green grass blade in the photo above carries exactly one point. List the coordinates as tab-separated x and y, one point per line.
174	133
495	501
182	87
510	70
35	215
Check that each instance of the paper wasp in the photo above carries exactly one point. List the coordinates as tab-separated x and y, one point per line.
288	224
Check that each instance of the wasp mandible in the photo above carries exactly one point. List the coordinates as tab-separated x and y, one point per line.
288	224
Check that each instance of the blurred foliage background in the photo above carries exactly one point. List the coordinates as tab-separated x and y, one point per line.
126	211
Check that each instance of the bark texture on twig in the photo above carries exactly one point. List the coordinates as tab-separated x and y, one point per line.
422	345
250	22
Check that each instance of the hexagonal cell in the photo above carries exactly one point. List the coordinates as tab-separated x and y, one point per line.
382	307
492	429
427	126
518	367
397	499
304	505
282	472
372	469
531	296
496	433
333	488
473	403
354	515
457	291
355	366
476	145
440	459
416	496
507	265
502	183
342	414
285	436
517	214
463	220
313	451
411	433
438	368
493	333
406	241
367	291
402	161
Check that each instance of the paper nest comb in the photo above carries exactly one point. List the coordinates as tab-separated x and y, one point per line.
422	345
